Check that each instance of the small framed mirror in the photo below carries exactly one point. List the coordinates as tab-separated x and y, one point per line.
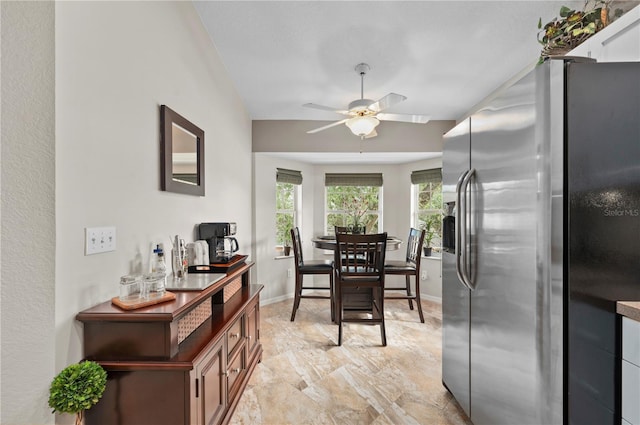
181	154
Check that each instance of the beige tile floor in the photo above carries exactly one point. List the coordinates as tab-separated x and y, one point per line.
305	378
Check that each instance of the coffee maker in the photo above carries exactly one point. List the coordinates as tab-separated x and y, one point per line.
222	246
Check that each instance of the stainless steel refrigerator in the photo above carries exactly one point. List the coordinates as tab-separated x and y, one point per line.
542	186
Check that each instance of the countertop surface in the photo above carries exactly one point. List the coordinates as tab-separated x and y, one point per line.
193	281
631	309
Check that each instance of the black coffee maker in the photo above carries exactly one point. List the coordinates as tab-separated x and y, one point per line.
222	246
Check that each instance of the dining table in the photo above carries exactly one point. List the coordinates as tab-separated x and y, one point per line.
328	242
352	300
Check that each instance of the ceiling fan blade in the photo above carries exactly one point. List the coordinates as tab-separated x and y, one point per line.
386	102
333	124
418	119
326	108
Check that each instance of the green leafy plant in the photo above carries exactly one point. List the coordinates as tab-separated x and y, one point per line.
572	27
76	388
283	229
431	227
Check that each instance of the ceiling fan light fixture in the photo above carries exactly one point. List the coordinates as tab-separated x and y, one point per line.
362	125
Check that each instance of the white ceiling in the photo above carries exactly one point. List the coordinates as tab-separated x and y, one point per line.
445	56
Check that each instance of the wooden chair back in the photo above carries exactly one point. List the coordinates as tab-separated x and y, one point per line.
361	256
297	246
414	247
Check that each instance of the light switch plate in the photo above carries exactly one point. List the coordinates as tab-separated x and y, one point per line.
99	239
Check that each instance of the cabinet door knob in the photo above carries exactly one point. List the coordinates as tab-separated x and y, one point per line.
225	373
234	335
237	370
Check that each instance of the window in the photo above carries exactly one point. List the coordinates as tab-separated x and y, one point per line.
353	200
427	204
288	188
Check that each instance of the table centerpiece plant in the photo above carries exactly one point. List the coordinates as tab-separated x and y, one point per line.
356	210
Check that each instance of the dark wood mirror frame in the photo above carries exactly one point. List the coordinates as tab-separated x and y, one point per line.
168	181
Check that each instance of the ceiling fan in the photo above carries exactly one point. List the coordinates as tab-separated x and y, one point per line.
365	114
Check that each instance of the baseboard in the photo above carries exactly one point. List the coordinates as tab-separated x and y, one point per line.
290	296
431	298
276	299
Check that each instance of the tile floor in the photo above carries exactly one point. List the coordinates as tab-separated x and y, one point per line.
305	378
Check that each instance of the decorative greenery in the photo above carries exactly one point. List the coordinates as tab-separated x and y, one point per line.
76	388
357	208
283	228
431	227
573	27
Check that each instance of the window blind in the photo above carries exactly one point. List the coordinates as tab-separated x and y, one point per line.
353	179
427	176
288	176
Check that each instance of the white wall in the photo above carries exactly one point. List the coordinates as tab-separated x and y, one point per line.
115	64
619	42
272	271
28	211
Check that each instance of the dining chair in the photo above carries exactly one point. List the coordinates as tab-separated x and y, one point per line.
310	267
360	280
407	268
340	229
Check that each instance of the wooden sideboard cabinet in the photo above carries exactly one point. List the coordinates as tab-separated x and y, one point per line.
185	361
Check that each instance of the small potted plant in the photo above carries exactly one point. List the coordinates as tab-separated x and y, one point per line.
572	27
286	244
76	388
431	227
284	224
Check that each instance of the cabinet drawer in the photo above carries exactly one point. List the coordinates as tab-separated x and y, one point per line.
631	340
235	334
235	372
631	393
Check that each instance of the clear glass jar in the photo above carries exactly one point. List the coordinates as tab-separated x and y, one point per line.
154	284
130	287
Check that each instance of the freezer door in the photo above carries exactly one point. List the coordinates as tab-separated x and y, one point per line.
603	180
455	296
510	207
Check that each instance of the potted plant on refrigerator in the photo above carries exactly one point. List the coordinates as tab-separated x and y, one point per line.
76	388
572	27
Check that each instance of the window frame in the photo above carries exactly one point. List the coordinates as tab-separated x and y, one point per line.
297	204
416	212
344	213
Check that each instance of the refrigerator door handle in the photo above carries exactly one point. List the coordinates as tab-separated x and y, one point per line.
459	225
466	230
